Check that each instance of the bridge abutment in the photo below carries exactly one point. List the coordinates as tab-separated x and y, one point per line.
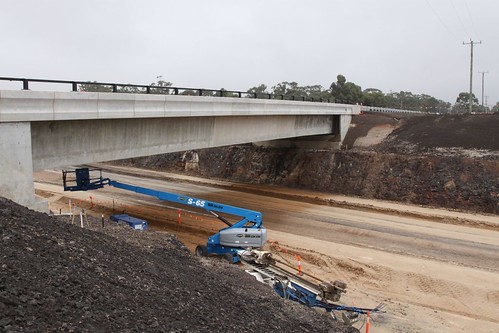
16	165
340	126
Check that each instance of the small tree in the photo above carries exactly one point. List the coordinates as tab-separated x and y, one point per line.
462	104
161	84
345	92
258	90
317	93
373	97
289	89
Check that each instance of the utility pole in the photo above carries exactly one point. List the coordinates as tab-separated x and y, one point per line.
483	74
471	43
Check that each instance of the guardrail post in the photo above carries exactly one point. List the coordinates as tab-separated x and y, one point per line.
200	92
240	95
25	84
148	90
176	91
270	96
115	88
74	86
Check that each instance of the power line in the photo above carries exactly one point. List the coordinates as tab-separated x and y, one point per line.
471	18
471	43
458	16
440	19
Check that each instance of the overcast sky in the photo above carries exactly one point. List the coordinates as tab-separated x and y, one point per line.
391	45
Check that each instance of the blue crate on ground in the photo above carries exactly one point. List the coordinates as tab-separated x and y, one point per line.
135	223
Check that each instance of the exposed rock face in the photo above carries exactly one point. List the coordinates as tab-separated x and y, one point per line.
442	161
55	276
440	181
190	160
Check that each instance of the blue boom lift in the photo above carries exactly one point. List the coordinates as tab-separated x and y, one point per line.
248	232
238	242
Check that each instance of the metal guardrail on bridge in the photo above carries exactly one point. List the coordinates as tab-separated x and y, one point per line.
76	86
386	110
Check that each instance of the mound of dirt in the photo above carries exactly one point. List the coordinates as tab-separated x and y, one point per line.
55	276
434	133
362	125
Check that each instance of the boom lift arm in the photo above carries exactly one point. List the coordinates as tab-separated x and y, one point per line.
247	232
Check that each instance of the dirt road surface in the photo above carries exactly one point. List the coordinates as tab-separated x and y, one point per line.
436	270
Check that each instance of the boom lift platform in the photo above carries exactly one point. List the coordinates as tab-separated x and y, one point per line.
239	242
247	232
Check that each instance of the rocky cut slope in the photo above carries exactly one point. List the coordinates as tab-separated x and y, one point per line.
449	161
55	276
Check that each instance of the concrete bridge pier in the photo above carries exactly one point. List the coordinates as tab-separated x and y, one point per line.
16	165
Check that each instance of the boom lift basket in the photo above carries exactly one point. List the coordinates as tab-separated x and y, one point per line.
82	180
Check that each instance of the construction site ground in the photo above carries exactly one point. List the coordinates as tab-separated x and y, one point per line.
57	275
437	270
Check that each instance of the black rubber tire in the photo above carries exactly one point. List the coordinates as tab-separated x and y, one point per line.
229	257
201	251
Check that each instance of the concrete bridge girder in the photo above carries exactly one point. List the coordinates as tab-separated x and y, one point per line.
56	144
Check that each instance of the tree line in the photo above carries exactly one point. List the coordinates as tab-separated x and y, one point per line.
340	91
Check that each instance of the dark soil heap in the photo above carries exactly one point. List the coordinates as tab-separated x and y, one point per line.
55	276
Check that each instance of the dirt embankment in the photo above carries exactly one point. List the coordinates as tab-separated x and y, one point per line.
441	161
55	276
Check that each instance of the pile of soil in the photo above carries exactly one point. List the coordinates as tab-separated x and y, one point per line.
55	276
465	131
449	161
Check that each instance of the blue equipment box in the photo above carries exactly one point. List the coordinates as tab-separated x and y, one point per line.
133	222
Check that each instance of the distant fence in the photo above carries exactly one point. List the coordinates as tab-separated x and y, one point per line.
76	86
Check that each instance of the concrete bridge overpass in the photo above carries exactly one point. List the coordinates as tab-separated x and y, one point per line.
40	130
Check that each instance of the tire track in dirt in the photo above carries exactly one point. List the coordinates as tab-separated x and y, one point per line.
493	297
382	278
435	247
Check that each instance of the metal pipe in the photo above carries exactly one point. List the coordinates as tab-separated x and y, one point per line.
303	273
